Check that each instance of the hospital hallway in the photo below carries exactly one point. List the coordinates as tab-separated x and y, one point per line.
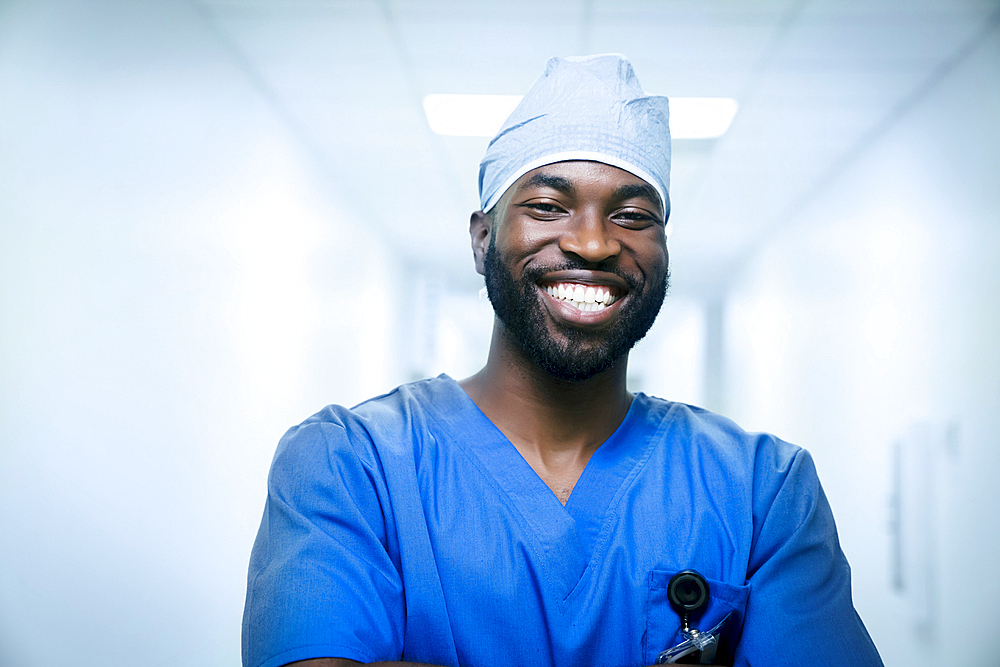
218	216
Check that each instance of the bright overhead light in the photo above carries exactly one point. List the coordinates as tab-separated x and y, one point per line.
483	115
701	117
468	115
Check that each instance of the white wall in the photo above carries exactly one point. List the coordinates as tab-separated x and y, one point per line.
873	320
175	291
670	361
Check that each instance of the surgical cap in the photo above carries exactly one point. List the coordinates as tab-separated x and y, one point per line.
582	108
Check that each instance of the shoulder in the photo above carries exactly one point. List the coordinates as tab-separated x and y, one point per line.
697	431
756	469
386	425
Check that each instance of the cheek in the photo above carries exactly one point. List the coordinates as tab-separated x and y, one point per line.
652	259
525	247
520	234
522	241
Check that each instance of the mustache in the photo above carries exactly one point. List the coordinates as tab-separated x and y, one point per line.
535	273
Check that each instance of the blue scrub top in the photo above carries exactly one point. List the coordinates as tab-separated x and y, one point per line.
410	528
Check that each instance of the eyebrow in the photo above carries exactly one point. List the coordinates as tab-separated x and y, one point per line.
643	190
543	180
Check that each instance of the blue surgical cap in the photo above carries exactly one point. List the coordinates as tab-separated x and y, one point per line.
582	108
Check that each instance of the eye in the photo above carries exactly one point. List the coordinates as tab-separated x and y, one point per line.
543	210
634	218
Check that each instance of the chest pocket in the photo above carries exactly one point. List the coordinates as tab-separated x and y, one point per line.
663	624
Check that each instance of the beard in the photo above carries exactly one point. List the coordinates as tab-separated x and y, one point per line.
581	353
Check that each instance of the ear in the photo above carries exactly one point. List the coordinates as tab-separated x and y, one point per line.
480	228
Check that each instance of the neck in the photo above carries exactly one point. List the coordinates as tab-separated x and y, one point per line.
544	416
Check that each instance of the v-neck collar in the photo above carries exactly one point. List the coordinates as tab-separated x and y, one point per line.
568	534
609	467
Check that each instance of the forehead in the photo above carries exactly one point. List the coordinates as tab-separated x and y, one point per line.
586	178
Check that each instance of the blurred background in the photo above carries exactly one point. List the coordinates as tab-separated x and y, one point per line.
218	216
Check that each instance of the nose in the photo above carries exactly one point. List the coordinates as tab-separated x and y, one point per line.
588	236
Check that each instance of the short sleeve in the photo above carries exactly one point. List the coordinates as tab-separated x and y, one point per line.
800	610
321	581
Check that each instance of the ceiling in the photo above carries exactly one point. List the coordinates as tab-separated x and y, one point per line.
816	80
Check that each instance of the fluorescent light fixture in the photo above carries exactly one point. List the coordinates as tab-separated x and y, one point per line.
468	115
483	115
701	117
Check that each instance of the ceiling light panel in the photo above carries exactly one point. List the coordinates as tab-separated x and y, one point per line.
468	115
483	115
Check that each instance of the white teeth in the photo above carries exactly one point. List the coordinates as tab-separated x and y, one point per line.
586	298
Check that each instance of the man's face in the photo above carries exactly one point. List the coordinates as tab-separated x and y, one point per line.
576	265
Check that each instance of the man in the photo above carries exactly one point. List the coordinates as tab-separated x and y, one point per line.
537	512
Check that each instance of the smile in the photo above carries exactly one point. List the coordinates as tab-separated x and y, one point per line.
584	297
